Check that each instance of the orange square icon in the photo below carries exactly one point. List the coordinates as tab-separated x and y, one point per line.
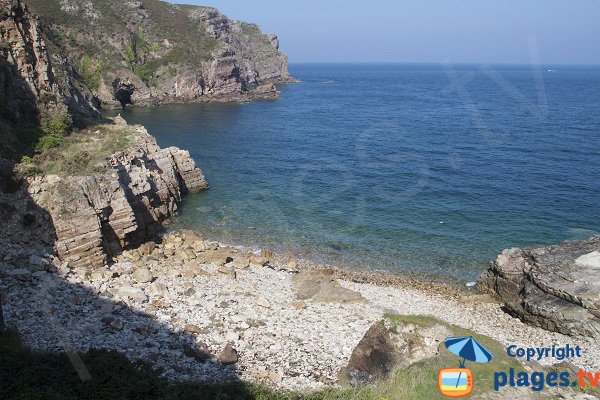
455	382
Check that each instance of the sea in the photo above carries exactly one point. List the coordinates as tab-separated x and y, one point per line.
424	169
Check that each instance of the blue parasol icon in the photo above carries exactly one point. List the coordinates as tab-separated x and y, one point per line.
469	349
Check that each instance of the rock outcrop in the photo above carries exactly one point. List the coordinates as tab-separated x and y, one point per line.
388	346
153	52
98	216
554	287
30	74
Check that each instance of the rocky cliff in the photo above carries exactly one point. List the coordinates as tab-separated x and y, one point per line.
30	74
99	215
152	52
554	287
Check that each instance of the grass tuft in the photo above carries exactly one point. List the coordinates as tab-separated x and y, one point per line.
85	152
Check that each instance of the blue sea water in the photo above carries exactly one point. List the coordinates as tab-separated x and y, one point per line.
425	168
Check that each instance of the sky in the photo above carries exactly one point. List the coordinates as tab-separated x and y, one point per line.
469	31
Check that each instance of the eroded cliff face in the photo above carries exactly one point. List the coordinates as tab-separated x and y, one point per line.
89	218
29	74
554	287
152	52
96	217
255	55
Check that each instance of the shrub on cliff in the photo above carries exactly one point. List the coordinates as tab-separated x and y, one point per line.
90	73
137	55
54	124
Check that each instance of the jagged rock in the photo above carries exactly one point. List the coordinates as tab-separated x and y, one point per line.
120	120
30	71
228	355
554	287
147	248
238	57
267	88
191	237
195	270
388	346
199	246
97	216
100	273
320	285
273	39
190	253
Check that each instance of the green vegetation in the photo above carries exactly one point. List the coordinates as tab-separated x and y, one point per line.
29	375
189	7
142	52
419	381
26	160
91	72
85	152
138	53
54	125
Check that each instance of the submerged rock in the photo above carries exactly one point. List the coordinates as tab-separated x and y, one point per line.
554	287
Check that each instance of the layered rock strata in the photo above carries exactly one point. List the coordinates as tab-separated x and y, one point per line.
98	216
554	287
153	52
30	74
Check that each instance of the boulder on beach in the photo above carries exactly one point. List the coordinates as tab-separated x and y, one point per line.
388	346
553	287
321	285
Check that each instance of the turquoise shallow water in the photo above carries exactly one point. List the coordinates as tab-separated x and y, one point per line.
426	168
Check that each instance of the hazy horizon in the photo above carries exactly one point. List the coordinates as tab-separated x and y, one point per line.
430	31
